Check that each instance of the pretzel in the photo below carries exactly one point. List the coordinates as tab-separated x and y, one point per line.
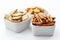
43	20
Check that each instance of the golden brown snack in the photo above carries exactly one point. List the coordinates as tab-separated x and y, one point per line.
16	16
36	10
43	20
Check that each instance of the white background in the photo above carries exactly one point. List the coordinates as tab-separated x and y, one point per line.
52	6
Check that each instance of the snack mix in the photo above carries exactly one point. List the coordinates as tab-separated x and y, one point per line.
43	20
16	16
36	10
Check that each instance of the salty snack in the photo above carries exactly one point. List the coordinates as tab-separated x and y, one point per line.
43	20
16	16
36	10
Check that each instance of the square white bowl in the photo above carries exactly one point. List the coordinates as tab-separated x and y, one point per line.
17	27
42	30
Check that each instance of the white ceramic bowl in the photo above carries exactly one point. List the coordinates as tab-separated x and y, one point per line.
17	27
42	30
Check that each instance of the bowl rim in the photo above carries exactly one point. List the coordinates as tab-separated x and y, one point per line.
39	26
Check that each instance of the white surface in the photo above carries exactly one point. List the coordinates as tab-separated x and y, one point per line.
42	30
52	6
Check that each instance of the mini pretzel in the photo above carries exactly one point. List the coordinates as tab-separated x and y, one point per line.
43	20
